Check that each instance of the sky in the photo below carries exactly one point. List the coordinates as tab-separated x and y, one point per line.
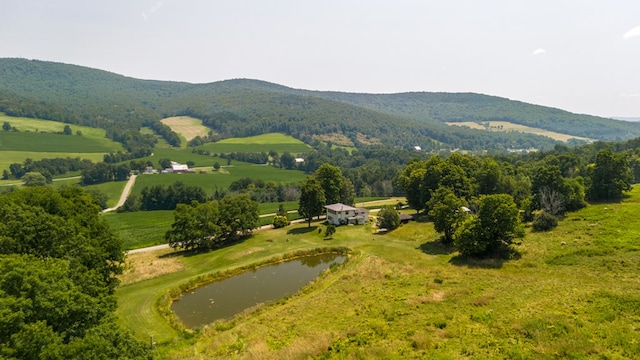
577	55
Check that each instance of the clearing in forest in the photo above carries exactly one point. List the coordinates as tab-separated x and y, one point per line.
186	126
505	126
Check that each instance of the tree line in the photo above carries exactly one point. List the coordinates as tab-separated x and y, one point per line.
478	203
212	224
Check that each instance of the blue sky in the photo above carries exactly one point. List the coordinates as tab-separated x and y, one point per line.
581	56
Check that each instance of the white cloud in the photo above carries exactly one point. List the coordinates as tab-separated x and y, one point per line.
635	32
151	11
539	52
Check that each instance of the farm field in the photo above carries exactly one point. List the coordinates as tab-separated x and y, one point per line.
187	127
49	142
505	126
36	140
9	157
261	143
181	156
571	292
141	228
223	178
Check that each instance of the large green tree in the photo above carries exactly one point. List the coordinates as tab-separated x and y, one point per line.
195	226
492	229
331	180
411	181
239	215
312	199
446	212
610	176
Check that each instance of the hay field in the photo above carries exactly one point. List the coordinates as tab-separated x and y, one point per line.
186	126
505	126
260	143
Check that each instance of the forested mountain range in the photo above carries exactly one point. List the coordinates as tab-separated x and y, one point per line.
242	107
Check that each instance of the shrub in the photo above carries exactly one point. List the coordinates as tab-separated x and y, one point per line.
331	229
544	221
280	221
388	218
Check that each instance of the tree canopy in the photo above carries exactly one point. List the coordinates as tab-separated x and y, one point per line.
58	268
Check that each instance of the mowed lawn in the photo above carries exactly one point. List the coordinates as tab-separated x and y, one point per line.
572	292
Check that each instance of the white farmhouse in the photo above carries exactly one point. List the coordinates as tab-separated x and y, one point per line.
341	214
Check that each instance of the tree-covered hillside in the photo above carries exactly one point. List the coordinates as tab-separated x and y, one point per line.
97	98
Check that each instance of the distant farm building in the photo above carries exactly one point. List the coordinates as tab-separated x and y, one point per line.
177	168
341	214
299	160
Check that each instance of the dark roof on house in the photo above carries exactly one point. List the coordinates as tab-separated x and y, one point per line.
405	217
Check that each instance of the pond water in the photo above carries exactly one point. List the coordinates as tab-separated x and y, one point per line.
228	297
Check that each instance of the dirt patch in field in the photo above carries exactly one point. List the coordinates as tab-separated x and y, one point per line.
147	265
246	252
186	126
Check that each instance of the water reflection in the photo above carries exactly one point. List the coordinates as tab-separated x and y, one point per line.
228	297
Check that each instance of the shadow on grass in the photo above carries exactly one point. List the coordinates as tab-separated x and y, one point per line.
192	252
436	247
494	261
302	230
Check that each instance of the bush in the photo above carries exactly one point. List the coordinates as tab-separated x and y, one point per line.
280	221
544	221
331	229
388	218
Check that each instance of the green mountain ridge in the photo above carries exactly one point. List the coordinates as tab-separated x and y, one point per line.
245	107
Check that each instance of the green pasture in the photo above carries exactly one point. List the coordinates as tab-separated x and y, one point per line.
49	142
569	293
141	228
36	139
261	143
221	179
40	125
181	156
112	189
9	157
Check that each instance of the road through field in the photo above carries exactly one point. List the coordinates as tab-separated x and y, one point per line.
124	195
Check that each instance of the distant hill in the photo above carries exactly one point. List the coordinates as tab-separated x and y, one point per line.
633	119
242	107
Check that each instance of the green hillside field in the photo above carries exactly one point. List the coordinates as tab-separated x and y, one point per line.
37	139
568	293
261	143
223	178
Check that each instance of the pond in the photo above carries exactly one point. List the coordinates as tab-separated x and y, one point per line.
225	298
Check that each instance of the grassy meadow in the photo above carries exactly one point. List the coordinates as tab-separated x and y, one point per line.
572	292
